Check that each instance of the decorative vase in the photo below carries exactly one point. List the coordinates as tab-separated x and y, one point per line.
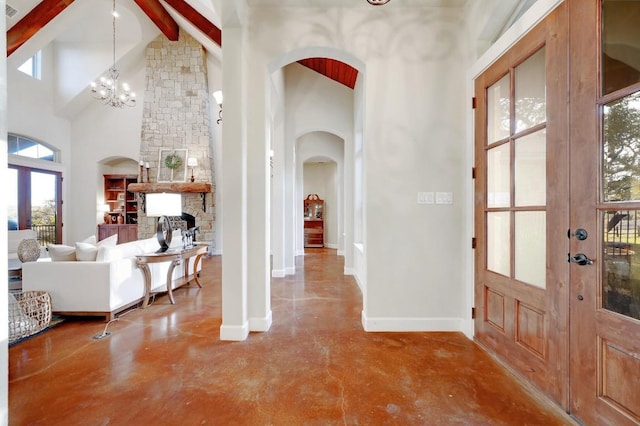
28	250
120	219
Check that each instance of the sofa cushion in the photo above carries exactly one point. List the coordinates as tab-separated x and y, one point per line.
86	252
61	252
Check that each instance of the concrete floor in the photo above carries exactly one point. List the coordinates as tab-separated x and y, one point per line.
165	365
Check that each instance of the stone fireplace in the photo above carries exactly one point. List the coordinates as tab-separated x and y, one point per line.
176	116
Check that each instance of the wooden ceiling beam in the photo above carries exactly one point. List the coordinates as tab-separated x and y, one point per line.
159	16
33	22
199	21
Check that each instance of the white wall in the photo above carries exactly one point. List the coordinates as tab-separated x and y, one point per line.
414	109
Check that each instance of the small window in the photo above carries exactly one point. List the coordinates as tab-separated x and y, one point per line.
32	66
19	145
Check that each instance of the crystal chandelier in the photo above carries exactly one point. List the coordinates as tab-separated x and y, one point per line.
107	90
378	2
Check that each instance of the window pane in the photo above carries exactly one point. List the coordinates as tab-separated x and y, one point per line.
498	110
43	206
531	170
621	149
531	248
621	274
620	35
498	176
498	242
530	96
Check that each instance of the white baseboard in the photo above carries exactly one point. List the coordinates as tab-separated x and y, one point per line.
331	246
300	253
217	252
235	333
340	253
278	273
349	271
412	324
290	271
261	324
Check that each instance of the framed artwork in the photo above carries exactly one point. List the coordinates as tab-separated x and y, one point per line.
172	165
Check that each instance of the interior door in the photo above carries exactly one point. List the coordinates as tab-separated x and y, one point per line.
605	203
521	209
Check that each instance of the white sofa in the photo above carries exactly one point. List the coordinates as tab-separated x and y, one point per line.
102	287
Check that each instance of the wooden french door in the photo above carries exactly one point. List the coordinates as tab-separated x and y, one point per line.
557	210
605	203
521	209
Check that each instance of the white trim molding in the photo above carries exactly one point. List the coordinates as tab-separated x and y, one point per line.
412	324
261	324
236	333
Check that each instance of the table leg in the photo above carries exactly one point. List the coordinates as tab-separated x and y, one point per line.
147	283
195	269
170	280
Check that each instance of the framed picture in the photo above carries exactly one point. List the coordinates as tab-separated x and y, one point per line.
172	165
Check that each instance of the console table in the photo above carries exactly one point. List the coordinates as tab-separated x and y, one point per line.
175	256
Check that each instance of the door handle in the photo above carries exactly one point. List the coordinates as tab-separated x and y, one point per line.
581	259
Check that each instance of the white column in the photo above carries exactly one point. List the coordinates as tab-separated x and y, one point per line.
235	325
258	201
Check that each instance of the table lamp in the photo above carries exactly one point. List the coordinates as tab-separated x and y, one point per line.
163	205
192	162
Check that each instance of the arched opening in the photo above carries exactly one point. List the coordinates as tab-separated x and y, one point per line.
315	113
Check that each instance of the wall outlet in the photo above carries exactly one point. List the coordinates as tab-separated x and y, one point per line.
444	197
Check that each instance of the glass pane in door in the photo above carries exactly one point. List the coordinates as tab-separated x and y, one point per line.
498	105
621	266
43	206
531	169
621	149
620	35
531	247
499	176
531	96
499	242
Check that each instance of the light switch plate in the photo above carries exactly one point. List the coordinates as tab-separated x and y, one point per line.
425	197
444	197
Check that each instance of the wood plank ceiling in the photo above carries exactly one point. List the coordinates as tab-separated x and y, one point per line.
333	69
47	10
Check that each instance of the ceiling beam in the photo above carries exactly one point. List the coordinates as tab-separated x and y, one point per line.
159	16
199	21
33	22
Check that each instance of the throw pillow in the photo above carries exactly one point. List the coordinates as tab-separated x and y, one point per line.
109	241
86	252
60	252
91	239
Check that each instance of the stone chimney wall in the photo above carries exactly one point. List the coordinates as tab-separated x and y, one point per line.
176	115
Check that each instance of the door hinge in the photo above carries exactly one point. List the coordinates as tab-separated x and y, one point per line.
473	173
473	102
473	242
473	313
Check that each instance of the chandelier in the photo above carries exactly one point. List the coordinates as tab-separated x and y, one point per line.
378	2
107	90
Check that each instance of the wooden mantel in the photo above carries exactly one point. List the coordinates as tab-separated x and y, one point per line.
180	187
176	187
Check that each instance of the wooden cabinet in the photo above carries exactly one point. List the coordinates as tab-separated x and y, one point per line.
122	217
125	233
313	221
